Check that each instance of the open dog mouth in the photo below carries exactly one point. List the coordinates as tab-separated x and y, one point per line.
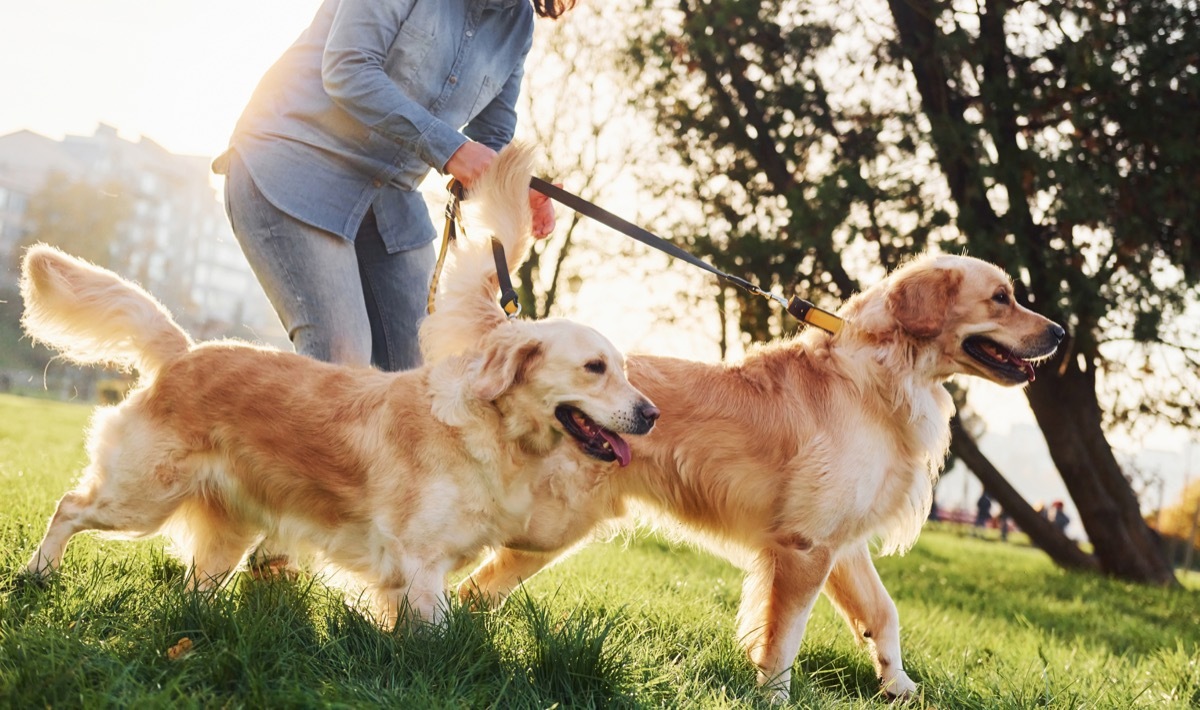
999	359
593	439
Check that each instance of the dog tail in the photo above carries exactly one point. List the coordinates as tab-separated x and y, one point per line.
466	308
92	316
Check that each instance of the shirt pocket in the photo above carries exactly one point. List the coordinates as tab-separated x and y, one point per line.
405	62
489	89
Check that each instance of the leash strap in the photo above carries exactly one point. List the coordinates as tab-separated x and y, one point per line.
509	300
801	309
449	234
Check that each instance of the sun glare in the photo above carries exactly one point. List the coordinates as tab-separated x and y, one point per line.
175	72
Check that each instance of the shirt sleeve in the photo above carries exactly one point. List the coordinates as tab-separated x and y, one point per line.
496	124
353	73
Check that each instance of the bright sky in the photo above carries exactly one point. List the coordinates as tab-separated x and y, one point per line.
176	71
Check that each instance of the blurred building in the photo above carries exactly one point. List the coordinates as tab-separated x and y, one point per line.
177	244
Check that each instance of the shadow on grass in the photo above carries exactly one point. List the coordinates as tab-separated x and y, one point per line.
114	637
1046	598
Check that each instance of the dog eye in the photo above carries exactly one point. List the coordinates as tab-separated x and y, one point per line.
1001	297
597	367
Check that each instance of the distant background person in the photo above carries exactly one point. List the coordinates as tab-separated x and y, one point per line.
1059	518
324	164
983	511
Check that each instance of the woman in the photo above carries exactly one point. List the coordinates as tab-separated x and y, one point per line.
323	167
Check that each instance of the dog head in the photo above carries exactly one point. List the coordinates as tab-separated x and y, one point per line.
567	377
962	315
967	308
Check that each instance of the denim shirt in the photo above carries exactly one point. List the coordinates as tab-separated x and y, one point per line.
370	97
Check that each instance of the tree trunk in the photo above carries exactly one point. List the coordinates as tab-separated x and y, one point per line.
1041	531
1065	405
1064	402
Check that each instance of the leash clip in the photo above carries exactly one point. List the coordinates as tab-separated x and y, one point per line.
776	298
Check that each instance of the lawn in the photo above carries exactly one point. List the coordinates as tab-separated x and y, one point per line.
631	623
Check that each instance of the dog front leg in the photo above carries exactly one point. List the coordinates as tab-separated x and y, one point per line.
417	593
778	594
857	592
503	571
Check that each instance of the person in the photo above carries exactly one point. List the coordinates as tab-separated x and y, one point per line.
983	511
323	166
1061	520
322	170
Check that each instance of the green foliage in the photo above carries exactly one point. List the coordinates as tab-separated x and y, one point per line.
1066	131
641	624
789	168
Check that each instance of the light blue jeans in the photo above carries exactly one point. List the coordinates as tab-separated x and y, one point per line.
345	302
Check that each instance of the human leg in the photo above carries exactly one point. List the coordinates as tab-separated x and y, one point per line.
309	275
395	289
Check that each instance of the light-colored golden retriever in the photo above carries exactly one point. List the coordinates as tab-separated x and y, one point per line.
396	478
790	463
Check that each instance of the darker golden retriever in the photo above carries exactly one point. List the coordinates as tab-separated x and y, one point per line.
793	461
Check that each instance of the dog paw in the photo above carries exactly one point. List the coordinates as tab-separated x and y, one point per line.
29	579
899	686
777	695
475	599
274	567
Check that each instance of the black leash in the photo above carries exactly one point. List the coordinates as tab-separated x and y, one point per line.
509	300
803	310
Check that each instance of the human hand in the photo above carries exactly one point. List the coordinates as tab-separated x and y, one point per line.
469	162
543	213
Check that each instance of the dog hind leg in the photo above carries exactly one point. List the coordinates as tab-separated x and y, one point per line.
68	519
780	589
858	594
100	503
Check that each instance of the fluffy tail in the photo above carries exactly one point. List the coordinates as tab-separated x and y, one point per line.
466	306
93	316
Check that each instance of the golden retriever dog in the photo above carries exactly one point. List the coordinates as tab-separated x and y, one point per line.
395	478
792	462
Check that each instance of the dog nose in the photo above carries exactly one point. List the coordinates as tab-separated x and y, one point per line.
648	412
1057	331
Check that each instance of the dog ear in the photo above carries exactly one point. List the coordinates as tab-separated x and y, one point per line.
505	362
919	300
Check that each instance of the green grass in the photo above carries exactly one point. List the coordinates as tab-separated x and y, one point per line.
625	624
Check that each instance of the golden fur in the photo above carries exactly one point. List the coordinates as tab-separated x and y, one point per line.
791	462
396	478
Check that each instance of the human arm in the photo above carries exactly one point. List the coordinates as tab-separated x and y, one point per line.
354	75
490	130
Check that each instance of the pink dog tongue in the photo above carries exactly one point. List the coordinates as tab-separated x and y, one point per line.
619	447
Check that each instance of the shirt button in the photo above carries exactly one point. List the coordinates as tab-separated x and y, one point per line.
453	79
470	33
377	183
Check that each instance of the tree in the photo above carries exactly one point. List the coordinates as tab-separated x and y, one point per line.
1066	134
581	119
1058	137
